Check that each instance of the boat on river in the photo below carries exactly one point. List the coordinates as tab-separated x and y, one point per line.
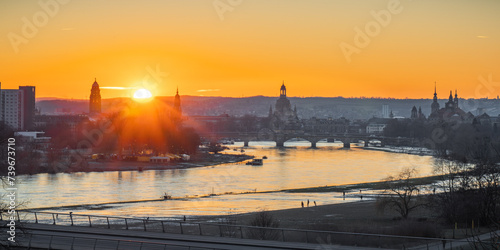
255	162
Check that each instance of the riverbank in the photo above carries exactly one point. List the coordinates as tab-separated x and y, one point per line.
375	185
403	150
197	161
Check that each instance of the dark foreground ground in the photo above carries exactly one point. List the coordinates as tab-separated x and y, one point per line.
359	217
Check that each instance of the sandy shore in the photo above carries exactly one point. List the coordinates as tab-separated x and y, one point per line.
352	216
357	217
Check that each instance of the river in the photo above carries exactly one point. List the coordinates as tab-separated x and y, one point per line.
295	166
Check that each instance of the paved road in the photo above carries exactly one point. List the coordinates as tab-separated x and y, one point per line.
63	237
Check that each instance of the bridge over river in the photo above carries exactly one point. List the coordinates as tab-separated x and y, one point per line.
280	137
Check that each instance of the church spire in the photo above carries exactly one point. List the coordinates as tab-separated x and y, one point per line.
283	90
435	92
435	104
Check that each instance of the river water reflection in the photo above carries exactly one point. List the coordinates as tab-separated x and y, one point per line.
294	167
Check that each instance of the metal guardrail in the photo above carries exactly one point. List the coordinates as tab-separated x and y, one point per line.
233	230
40	240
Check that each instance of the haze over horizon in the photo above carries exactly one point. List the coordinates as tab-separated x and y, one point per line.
327	48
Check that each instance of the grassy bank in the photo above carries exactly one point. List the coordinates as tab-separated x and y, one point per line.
377	185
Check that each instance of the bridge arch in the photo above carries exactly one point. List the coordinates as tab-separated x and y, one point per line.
281	143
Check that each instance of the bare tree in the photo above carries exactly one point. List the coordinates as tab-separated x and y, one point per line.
402	192
229	226
264	220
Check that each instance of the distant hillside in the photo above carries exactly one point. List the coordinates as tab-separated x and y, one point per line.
320	107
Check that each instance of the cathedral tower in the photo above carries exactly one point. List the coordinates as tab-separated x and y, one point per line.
95	99
283	108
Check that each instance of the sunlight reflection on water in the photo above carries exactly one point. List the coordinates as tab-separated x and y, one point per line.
286	168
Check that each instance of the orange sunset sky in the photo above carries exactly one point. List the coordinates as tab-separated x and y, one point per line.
248	47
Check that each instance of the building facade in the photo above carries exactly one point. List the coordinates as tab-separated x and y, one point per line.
450	112
28	109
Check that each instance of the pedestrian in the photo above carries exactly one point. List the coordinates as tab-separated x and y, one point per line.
314	203
308	203
361	196
184	218
302	203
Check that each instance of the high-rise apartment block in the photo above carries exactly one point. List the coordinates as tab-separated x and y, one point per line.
17	107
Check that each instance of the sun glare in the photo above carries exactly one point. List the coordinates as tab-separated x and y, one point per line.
142	95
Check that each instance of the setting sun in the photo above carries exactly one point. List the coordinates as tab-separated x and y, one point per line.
143	95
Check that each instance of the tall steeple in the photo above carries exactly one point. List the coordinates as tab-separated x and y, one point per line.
450	104
414	114
456	99
177	110
95	98
435	104
435	92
